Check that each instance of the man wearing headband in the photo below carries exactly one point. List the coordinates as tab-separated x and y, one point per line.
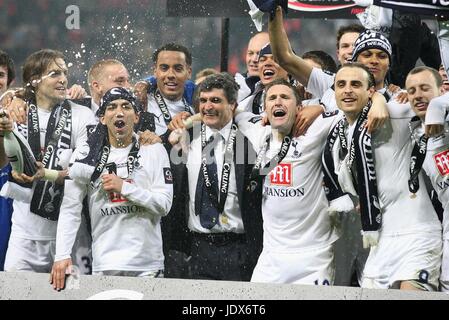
129	189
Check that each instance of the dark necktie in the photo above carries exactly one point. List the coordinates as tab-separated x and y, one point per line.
257	108
204	206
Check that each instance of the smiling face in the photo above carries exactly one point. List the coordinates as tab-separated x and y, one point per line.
215	108
352	91
171	73
113	75
120	118
378	64
346	46
252	54
51	88
281	107
269	70
421	88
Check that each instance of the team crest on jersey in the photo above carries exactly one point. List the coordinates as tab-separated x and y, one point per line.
296	153
442	162
168	176
282	175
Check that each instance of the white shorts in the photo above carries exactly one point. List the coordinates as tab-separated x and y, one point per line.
444	278
30	255
313	267
411	257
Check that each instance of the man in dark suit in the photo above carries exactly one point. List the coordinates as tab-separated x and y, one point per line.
212	182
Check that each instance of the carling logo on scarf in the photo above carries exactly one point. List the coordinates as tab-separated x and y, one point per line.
442	162
282	175
34	119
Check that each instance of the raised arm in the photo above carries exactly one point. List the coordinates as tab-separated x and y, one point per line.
283	52
443	39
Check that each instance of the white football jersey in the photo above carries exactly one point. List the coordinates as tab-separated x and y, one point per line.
174	107
436	166
402	213
294	206
26	224
126	232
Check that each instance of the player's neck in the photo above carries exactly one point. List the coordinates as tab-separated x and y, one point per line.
45	103
120	143
380	85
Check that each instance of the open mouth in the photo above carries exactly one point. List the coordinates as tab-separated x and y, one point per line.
279	113
171	85
268	73
210	114
349	100
421	106
119	124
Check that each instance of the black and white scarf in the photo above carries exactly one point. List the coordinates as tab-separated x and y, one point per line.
357	157
47	195
418	154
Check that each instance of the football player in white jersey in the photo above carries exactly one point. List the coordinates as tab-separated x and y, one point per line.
398	218
298	235
172	68
425	87
54	127
129	189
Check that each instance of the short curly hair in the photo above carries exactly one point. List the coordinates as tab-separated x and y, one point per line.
6	61
223	81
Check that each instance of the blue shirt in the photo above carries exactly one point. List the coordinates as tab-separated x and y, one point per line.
5	217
